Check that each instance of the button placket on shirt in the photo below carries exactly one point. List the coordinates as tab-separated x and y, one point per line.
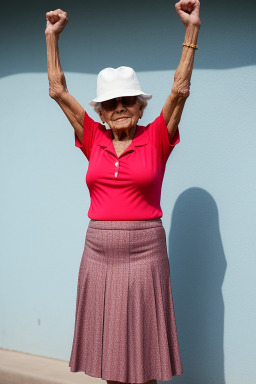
117	167
110	149
125	153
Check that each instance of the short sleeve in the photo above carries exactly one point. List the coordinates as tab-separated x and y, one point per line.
91	131
158	136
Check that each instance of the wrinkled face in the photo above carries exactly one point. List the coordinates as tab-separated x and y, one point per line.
122	118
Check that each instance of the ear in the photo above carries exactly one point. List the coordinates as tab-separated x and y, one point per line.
101	116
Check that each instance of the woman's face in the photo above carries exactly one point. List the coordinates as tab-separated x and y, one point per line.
122	118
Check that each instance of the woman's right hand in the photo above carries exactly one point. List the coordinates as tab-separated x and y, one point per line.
56	21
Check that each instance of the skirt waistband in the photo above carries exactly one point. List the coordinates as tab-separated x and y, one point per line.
129	224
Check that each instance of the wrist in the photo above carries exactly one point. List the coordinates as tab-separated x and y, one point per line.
52	34
192	31
192	28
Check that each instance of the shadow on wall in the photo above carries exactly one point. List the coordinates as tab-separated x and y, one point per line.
198	265
146	35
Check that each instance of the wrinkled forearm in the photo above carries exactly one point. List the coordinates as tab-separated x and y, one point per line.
173	107
57	81
182	77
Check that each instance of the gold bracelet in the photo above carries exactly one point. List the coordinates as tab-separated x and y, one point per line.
190	45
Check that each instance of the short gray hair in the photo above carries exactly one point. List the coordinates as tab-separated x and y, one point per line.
143	103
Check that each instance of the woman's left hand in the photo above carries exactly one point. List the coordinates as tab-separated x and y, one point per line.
188	11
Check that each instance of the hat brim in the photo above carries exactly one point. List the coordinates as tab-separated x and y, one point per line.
119	93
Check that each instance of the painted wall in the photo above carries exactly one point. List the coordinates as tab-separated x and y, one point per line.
208	195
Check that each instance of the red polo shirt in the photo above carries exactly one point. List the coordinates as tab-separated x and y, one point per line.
127	187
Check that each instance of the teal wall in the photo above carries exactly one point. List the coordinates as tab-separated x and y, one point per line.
208	196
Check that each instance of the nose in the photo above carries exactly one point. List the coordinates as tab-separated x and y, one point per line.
119	107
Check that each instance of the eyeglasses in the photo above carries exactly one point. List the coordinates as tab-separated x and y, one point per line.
127	101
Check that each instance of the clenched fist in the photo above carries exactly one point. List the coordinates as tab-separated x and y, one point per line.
188	11
56	21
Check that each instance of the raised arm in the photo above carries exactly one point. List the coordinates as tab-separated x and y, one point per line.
188	10
56	22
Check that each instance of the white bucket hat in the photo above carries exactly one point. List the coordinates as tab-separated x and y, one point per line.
117	82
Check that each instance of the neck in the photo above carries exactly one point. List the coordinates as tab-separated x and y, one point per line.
124	134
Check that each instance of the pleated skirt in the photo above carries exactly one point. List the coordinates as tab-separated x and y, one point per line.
125	328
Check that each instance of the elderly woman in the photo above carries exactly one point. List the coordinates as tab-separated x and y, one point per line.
125	328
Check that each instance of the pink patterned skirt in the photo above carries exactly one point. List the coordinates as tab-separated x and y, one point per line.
125	327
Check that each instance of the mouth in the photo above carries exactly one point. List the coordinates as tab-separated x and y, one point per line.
122	118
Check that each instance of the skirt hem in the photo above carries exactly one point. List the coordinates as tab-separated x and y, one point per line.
130	381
